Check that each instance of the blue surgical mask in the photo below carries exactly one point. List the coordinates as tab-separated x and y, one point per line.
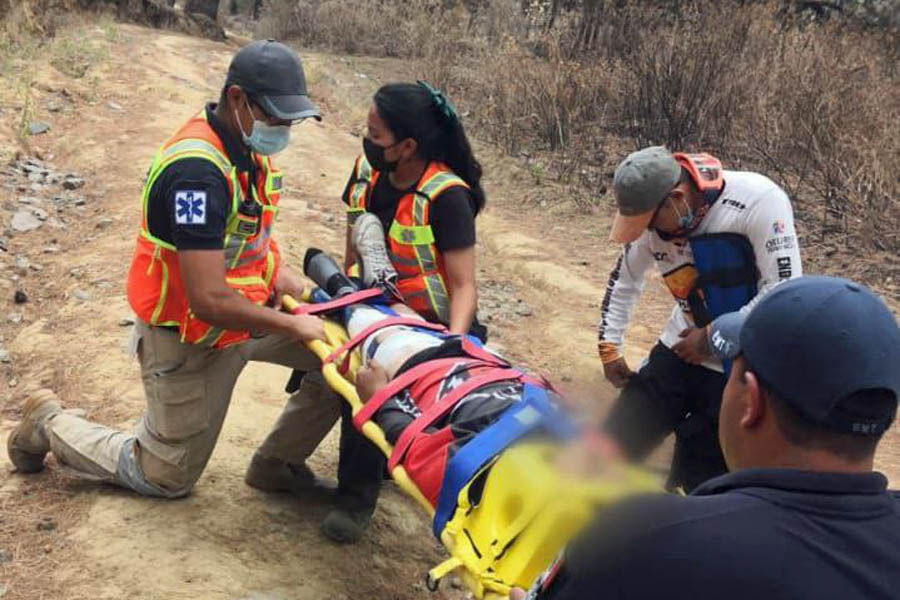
685	220
265	139
686	223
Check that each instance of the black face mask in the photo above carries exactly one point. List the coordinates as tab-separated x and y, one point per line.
375	155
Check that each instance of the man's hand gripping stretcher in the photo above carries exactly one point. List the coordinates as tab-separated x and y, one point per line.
479	443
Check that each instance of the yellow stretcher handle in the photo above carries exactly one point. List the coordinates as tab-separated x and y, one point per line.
336	337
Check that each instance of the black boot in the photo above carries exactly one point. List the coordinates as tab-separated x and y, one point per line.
360	468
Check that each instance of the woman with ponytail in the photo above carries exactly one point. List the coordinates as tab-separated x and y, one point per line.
418	176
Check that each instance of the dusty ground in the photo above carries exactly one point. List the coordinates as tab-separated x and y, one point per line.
227	541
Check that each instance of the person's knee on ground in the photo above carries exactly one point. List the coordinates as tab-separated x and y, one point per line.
172	480
89	451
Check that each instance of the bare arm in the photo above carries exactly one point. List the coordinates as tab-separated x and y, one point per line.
460	265
203	274
349	255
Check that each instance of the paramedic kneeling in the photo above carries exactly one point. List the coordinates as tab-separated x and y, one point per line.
814	386
720	239
204	269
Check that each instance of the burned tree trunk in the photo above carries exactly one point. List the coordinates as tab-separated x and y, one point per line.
589	26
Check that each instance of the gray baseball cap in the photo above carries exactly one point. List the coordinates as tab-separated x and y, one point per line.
641	182
272	74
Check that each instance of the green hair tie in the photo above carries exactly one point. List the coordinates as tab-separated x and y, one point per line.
442	103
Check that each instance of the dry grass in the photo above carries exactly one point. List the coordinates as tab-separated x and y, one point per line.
32	553
408	29
36	513
812	102
26	39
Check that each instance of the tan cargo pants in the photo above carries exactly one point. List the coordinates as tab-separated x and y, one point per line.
188	390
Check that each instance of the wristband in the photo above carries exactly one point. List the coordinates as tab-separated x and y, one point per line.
608	352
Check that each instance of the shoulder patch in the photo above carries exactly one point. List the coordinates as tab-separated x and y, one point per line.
190	207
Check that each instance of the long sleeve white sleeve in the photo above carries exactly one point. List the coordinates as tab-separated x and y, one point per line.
626	282
770	229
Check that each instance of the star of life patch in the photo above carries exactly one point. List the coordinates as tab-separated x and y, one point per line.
190	207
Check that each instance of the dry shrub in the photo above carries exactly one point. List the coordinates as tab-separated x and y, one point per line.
527	104
405	29
812	102
685	87
826	124
22	20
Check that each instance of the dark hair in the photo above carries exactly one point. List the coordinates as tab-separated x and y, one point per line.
223	96
686	178
801	431
411	111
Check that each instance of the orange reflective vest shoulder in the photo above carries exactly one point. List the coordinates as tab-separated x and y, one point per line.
155	288
422	276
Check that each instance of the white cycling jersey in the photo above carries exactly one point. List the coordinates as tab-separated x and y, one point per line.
750	204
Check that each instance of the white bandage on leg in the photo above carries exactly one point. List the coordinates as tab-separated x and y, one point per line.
395	344
399	346
361	317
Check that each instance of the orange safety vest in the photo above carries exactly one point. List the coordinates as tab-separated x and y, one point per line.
422	277
155	288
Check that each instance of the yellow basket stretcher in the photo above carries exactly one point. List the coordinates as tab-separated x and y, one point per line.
512	518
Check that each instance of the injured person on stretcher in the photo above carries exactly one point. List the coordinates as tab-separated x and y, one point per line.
477	441
449	363
396	350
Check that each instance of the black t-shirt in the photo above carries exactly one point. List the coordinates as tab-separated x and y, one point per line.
473	413
189	202
451	214
751	534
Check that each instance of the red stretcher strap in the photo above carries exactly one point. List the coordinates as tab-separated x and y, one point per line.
442	406
390	322
480	353
321	307
400	383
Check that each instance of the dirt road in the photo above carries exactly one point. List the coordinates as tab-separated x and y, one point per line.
60	539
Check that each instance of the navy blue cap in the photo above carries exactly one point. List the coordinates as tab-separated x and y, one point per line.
814	341
724	335
272	74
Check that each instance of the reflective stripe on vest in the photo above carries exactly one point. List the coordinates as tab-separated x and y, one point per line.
362	173
187	148
420	236
251	260
411	240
